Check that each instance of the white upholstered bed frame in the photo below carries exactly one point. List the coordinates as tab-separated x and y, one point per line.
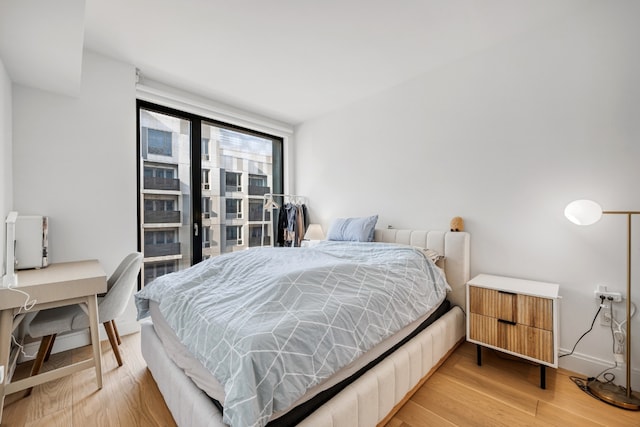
374	397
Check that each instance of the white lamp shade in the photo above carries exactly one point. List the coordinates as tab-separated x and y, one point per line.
314	232
583	212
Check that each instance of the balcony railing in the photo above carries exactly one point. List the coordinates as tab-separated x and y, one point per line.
234	215
162	217
258	190
233	188
155	183
255	241
256	215
161	249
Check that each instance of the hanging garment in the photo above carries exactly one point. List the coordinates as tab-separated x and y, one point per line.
290	231
300	228
281	226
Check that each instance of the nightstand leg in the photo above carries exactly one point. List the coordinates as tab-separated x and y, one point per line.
543	377
479	354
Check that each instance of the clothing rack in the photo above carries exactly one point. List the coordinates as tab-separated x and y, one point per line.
270	204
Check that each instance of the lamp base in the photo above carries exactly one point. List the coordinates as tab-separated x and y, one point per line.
614	395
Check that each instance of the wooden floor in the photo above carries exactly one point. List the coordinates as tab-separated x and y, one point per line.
503	392
129	396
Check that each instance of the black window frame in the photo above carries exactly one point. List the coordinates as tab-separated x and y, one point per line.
196	165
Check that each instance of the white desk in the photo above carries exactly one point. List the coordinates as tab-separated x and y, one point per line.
54	286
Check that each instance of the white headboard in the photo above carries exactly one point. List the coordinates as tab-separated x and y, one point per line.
455	246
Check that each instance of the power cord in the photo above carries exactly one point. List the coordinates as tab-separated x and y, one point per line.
28	302
21	347
593	322
618	340
26	306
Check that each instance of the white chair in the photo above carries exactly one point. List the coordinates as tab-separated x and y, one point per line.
49	323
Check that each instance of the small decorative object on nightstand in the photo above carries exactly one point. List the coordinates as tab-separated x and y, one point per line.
515	316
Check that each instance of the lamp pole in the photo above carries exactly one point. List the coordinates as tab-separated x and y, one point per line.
628	326
587	212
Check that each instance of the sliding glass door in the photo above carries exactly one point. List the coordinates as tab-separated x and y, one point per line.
165	193
201	188
238	169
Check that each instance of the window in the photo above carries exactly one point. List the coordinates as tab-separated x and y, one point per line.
205	179
258	180
157	269
160	204
159	142
205	149
256	211
159	172
233	181
258	185
194	174
206	207
234	233
255	235
234	208
153	237
206	237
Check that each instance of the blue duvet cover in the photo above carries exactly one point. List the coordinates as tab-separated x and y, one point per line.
270	323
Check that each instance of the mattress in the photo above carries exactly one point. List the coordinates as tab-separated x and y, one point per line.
315	396
367	402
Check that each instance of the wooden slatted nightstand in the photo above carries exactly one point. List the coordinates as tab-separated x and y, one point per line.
515	316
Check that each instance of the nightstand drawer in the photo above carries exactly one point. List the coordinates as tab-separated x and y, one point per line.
535	343
527	310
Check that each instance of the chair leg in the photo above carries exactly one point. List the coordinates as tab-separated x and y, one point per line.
115	329
112	340
53	339
43	352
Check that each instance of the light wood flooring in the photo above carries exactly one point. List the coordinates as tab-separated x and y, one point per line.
503	392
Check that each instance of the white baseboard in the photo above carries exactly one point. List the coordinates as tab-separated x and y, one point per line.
76	339
589	366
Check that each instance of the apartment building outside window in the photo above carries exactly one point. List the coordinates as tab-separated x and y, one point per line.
201	188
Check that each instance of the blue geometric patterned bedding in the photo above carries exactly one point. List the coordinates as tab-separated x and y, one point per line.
269	323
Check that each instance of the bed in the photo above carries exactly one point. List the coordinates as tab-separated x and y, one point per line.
380	386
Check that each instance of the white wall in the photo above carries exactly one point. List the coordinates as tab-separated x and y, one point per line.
75	161
6	179
505	138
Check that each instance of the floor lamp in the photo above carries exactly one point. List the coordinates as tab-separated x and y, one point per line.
587	212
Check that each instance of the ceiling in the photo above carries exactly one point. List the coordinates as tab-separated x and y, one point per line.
290	60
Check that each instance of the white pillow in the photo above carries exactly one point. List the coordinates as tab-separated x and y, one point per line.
353	229
432	255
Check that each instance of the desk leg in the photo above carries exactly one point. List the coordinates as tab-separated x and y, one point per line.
92	304
6	324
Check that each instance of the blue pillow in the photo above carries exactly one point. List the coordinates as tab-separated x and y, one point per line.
353	229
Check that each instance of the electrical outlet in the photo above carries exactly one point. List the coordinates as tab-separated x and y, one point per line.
610	296
605	317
